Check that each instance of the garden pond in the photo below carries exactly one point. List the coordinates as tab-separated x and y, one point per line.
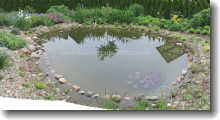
114	61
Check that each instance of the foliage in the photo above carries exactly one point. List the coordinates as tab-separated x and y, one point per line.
50	97
47	21
4	19
11	41
26	85
59	8
137	9
156	8
21	74
40	85
23	20
1	77
141	105
3	58
29	9
110	104
201	19
15	31
175	27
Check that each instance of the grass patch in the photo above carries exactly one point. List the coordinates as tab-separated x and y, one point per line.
50	97
21	74
40	85
26	85
11	41
1	77
141	105
67	90
197	68
21	68
110	104
3	58
22	55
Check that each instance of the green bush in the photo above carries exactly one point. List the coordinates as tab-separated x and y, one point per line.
29	9
201	19
16	31
191	30
36	21
4	20
23	23
82	14
59	8
205	32
121	16
46	21
3	58
175	27
197	31
11	41
137	9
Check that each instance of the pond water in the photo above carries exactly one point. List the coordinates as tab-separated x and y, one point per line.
115	61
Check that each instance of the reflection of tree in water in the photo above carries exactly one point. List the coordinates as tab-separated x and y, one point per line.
108	50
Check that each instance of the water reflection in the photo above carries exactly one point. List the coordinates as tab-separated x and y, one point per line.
169	51
108	50
115	60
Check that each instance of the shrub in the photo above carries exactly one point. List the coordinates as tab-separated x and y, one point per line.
23	21
46	21
40	85
82	14
59	8
36	21
16	31
205	32
4	20
29	9
143	20
3	58
197	31
137	9
11	41
191	30
175	27
201	19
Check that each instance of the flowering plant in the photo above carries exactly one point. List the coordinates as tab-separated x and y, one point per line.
23	20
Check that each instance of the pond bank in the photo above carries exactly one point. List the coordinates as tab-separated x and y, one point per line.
185	97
